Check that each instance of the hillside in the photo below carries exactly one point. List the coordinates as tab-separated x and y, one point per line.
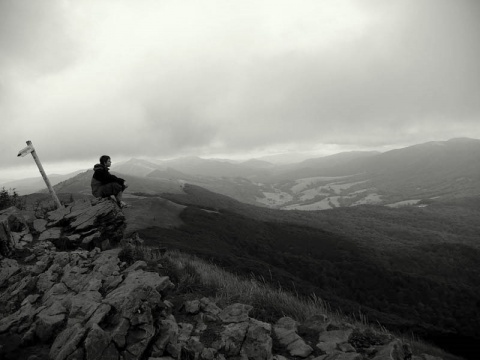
73	286
137	184
408	270
437	170
31	185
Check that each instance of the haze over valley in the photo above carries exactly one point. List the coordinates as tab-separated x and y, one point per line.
408	176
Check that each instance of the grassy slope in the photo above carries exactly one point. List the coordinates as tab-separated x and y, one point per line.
195	278
400	262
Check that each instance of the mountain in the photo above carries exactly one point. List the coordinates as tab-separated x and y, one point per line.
411	176
346	163
35	184
139	185
447	169
408	176
137	167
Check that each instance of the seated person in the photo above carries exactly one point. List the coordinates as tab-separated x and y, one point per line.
105	184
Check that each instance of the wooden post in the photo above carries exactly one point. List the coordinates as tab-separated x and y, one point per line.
31	149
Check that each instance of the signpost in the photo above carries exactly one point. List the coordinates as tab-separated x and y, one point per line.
31	150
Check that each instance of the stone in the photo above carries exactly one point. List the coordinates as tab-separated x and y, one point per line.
258	342
21	285
329	340
92	241
192	307
66	343
8	268
49	321
318	323
209	308
168	334
46	280
391	351
138	339
137	265
23	317
58	292
30	299
100	313
346	347
285	330
137	285
184	332
340	356
27	238
39	225
119	333
235	313
88	224
54	235
232	338
429	357
7	242
208	354
83	306
193	347
96	343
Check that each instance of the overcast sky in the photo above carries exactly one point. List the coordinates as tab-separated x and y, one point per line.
167	78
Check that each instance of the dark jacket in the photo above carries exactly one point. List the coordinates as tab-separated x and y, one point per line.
102	176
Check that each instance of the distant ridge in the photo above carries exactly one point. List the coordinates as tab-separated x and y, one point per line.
406	176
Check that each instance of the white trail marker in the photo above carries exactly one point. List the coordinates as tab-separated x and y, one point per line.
31	150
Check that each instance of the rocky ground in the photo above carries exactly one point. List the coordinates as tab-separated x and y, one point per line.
66	292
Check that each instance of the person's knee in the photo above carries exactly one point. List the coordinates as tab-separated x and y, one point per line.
111	189
117	189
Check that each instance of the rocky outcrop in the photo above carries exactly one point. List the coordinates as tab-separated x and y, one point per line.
14	230
79	304
85	223
88	304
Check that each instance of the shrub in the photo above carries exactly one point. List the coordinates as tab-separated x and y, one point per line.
10	198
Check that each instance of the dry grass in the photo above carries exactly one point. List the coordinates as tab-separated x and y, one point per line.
269	303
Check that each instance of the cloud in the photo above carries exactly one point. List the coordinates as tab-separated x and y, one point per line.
34	36
170	78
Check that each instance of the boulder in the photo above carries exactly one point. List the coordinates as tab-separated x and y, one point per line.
87	224
235	313
286	331
7	241
330	340
258	341
392	351
13	230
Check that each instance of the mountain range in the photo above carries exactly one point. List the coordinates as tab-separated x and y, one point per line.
413	175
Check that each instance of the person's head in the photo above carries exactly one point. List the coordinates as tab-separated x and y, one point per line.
105	160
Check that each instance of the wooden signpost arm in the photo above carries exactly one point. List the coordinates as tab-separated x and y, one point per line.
40	167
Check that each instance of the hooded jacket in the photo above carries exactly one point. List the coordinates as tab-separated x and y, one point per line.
102	176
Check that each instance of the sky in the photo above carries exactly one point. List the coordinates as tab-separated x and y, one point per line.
232	79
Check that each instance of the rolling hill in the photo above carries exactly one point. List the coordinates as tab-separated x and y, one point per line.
410	176
411	270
